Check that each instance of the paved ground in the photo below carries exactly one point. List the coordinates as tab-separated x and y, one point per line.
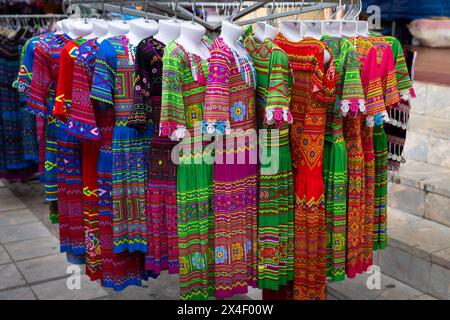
31	266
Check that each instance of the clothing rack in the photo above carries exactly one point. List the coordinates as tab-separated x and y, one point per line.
177	9
33	16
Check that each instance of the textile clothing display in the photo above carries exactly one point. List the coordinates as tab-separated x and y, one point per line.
113	85
264	165
313	87
276	201
349	101
161	207
183	101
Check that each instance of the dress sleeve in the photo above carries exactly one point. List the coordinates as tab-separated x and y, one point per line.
216	117
23	79
404	83
65	77
389	80
141	111
41	81
173	118
104	80
82	122
353	100
278	92
371	81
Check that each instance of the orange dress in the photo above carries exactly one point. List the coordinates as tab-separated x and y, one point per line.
312	89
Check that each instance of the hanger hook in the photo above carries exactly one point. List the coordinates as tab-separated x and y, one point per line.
146	11
176	10
301	9
318	11
103	7
193	11
121	11
239	9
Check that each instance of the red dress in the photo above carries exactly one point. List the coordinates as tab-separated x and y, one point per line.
312	89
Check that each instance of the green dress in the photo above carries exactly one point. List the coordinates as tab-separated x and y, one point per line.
183	98
276	195
349	98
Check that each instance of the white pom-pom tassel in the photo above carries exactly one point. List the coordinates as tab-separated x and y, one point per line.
362	105
370	121
285	115
385	116
210	128
406	96
345	107
269	117
180	133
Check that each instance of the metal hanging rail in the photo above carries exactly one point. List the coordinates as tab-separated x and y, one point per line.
32	16
168	9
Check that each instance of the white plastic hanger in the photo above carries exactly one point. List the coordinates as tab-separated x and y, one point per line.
81	27
349	24
314	27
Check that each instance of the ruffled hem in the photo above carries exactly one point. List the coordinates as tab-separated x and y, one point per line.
219	127
352	106
83	131
172	129
278	116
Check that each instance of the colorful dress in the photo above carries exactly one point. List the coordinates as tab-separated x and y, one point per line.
17	128
40	102
349	101
371	82
41	99
113	85
230	115
397	125
32	148
119	270
80	91
22	84
183	100
70	191
276	186
312	89
161	205
386	63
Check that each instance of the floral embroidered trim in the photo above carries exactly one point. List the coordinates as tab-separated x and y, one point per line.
172	130
219	127
277	115
378	118
382	117
352	107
